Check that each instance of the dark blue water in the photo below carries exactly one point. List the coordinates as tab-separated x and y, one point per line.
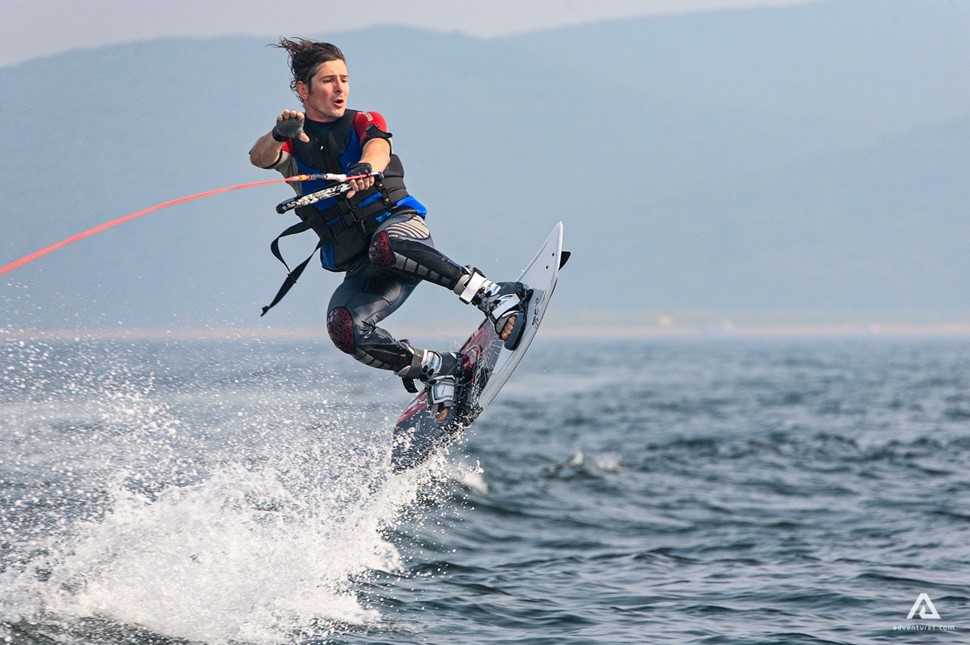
691	491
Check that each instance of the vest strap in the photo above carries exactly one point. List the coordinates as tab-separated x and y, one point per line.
294	275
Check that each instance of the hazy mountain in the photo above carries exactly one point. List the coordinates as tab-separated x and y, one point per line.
807	161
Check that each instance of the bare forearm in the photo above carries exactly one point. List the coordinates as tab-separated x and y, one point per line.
376	152
266	151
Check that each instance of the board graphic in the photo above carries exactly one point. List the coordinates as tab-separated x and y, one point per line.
417	434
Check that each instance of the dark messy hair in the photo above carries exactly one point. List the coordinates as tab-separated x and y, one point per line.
306	55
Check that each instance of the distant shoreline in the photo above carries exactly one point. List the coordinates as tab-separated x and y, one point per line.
725	330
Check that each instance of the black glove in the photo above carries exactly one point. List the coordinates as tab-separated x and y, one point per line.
285	129
362	168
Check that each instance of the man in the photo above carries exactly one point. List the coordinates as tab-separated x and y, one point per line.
375	233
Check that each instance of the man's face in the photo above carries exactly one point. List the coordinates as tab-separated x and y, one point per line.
326	97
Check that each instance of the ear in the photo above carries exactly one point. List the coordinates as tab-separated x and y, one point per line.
302	90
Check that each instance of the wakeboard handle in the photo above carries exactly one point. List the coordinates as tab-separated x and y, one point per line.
342	186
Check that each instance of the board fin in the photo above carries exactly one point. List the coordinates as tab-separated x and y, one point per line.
563	258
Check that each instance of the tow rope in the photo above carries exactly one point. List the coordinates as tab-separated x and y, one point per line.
340	187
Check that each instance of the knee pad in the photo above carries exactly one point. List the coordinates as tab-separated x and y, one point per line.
340	326
380	251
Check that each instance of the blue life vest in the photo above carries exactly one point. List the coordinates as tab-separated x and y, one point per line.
346	225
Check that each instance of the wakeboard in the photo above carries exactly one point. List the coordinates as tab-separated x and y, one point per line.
417	433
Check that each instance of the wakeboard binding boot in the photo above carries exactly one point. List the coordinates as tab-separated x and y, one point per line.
444	375
499	301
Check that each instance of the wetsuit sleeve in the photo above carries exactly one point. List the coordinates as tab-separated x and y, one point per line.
370	125
286	164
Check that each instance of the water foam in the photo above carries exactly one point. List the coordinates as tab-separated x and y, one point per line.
255	526
235	557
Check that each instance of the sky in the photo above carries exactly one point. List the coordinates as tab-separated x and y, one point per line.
32	29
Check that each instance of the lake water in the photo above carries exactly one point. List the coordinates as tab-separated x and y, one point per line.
713	490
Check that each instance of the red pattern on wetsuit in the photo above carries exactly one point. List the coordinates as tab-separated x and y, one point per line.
380	252
340	325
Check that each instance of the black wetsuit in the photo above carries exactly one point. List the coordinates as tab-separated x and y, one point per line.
383	245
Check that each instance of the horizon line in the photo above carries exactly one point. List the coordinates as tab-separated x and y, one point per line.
720	331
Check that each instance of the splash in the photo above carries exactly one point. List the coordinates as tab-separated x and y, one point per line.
234	557
215	513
